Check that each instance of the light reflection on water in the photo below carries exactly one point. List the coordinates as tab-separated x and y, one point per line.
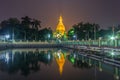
52	64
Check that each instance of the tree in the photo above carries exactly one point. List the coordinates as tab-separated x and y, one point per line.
43	34
10	26
71	32
36	24
27	28
85	30
26	22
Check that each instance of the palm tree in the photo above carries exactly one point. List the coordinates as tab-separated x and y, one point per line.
26	22
36	26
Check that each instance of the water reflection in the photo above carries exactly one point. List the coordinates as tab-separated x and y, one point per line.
27	61
60	59
23	61
75	59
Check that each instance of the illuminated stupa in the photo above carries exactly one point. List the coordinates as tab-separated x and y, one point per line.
60	29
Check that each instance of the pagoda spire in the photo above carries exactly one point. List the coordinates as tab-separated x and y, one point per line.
60	19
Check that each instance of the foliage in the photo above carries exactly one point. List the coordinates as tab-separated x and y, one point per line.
84	31
43	34
24	29
30	29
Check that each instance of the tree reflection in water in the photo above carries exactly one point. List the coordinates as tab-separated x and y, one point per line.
75	59
29	61
25	62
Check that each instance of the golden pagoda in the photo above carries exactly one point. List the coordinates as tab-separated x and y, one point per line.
60	30
60	27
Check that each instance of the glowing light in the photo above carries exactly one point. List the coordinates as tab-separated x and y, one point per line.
7	36
60	61
72	60
48	35
112	53
7	57
72	32
74	36
60	27
49	56
112	38
74	55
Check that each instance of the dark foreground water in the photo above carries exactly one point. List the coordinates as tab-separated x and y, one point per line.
53	64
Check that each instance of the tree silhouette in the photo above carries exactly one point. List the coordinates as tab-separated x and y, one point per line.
86	30
10	26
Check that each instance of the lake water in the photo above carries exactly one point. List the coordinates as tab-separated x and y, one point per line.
54	64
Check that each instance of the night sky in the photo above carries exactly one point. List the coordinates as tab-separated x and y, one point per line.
103	12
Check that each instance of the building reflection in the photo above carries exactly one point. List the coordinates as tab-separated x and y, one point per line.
60	59
26	61
30	60
86	60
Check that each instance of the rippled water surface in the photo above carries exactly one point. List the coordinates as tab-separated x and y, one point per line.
53	64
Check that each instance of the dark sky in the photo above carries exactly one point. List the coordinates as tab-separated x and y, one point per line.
104	12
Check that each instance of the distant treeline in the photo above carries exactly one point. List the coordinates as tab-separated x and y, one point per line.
30	29
24	29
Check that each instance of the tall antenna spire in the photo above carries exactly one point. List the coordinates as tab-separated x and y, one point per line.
60	19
